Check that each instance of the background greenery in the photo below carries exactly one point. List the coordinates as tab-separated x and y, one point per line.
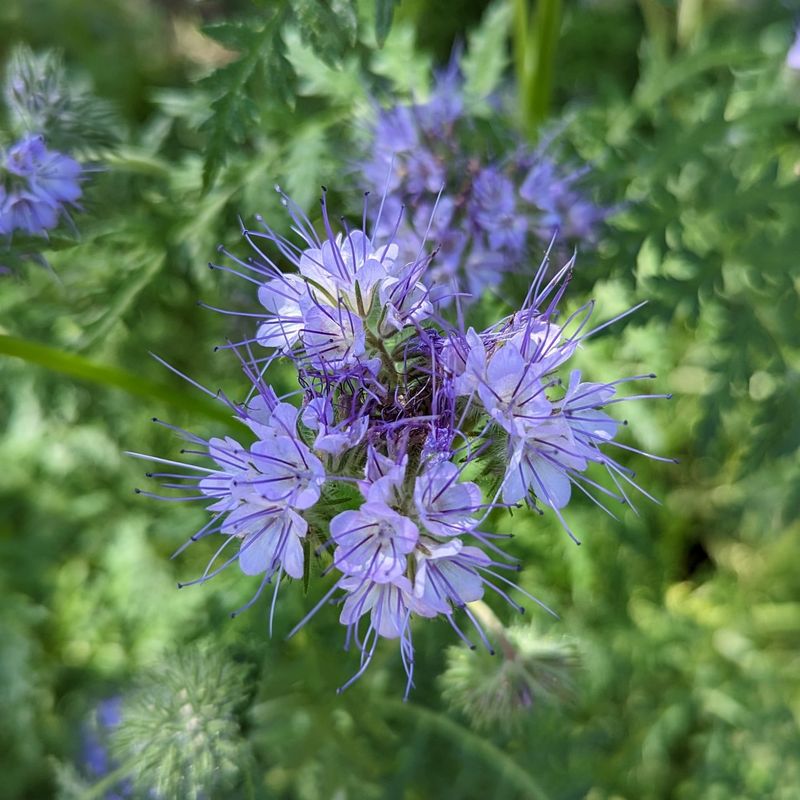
685	617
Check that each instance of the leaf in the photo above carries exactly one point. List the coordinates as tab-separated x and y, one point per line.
662	80
487	53
304	164
343	85
329	27
493	757
113	377
543	34
26	248
234	113
384	14
149	265
408	69
228	34
137	162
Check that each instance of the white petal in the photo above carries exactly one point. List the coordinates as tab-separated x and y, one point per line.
258	550
550	484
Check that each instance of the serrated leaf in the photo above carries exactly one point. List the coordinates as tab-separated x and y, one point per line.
661	81
384	14
149	265
83	369
343	84
276	70
487	53
304	163
328	27
234	113
403	64
228	34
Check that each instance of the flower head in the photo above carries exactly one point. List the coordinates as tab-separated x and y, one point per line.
369	466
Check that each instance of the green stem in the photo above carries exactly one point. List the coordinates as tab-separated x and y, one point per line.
535	44
83	369
385	356
489	620
110	781
492	755
689	21
520	42
658	24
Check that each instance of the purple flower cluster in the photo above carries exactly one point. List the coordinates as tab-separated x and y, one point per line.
96	756
374	471
36	186
482	216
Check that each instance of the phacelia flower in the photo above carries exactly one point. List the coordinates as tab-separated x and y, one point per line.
37	185
380	466
483	216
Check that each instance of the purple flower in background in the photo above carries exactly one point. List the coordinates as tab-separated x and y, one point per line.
479	216
494	210
366	464
560	204
445	106
36	187
22	210
793	56
53	177
96	758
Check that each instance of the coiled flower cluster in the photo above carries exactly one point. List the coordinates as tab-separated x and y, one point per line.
386	470
483	215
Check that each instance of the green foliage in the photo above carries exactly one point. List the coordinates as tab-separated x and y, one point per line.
261	62
501	690
80	368
329	28
180	736
536	34
39	98
685	615
486	59
704	158
263	69
384	14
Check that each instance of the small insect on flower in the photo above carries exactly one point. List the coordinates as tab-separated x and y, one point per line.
369	466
